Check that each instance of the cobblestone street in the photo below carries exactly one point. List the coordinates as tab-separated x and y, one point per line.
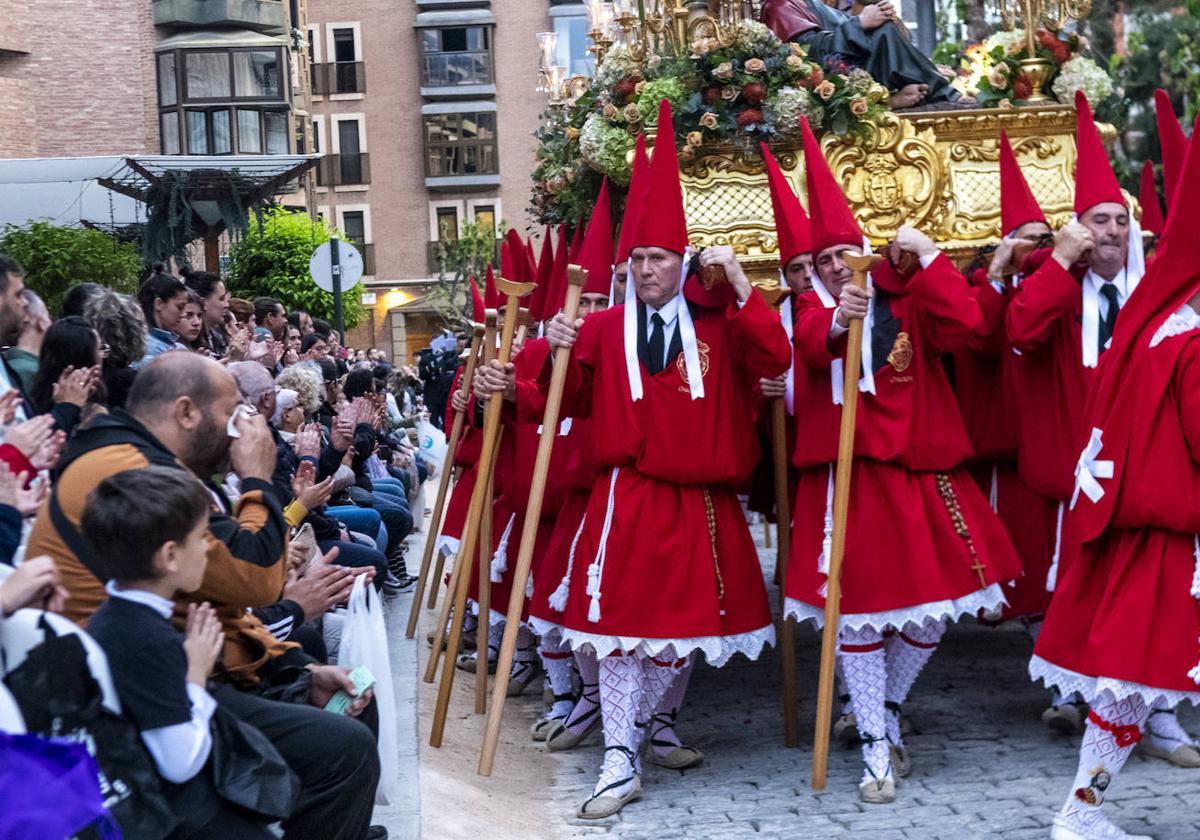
984	764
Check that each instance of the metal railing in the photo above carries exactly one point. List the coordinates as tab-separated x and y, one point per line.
457	68
344	170
338	77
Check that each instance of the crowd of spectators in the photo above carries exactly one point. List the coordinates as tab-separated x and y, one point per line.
197	480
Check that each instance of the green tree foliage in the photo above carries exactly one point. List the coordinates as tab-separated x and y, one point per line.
56	258
458	261
271	259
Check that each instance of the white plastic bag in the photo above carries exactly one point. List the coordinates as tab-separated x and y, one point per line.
432	442
364	642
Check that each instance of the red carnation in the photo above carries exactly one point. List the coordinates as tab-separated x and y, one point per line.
755	93
818	76
712	94
623	89
1022	89
749	116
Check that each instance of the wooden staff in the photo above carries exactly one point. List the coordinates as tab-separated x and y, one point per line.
860	264
487	461
439	632
483	627
439	506
576	280
783	516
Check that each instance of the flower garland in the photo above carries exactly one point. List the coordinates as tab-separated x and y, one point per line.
755	88
991	70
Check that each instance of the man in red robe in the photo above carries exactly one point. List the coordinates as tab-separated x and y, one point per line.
1062	322
664	565
922	547
983	378
1123	626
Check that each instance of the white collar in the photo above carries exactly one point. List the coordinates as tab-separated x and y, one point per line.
687	335
1121	282
669	311
158	603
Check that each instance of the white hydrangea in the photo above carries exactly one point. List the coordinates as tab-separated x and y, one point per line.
789	105
757	38
1081	73
1013	42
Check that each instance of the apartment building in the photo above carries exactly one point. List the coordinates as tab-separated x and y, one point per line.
425	110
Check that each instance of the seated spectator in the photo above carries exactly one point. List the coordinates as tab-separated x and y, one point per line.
180	413
33	584
147	528
23	358
121	325
76	300
215	300
163	298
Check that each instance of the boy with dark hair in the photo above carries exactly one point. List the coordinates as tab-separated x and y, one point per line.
147	527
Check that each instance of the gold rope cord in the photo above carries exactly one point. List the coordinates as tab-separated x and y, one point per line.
712	538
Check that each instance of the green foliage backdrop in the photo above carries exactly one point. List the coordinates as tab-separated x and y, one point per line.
56	258
271	258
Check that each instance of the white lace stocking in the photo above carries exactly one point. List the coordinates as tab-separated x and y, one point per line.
907	652
1164	729
620	696
588	704
865	668
1107	743
839	686
556	660
661	700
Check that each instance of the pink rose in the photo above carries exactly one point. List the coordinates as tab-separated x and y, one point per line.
723	71
858	107
755	65
709	120
825	89
695	138
632	114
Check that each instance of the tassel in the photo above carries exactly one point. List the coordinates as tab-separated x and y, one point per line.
529	586
593	578
1194	674
500	558
1196	572
594	609
558	598
827	538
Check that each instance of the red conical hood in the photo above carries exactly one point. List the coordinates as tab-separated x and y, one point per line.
1171	140
477	307
545	263
515	267
792	227
491	296
1017	204
663	224
1152	215
576	243
832	220
556	293
1095	182
639	183
597	253
529	272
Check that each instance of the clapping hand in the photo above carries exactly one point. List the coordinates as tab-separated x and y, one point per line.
308	491
202	643
34	583
75	386
17	492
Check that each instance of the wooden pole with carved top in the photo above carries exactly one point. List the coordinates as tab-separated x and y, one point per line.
860	264
576	280
439	506
487	462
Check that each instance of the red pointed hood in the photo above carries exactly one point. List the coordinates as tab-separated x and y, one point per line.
1173	142
545	264
1095	182
662	223
556	293
491	296
597	253
1127	393
477	308
792	228
1152	215
1017	204
639	183
576	243
529	275
832	220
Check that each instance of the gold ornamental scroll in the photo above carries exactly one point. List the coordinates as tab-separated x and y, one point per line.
938	171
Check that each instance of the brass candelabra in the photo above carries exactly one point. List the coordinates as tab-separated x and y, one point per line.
1034	14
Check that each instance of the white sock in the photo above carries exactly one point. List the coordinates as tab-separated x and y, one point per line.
588	704
839	684
556	660
662	725
864	664
620	696
1164	729
907	653
1106	745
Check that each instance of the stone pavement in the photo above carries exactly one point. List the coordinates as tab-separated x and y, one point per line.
984	764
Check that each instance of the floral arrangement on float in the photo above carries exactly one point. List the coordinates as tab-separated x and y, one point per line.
739	90
993	70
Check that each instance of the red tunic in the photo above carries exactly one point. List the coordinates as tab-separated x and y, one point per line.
466	456
904	561
1124	617
678	566
984	375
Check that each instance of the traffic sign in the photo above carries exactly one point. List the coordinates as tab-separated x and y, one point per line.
349	265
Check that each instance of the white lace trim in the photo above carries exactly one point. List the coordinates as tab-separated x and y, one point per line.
1184	320
988	599
717	650
1067	681
449	545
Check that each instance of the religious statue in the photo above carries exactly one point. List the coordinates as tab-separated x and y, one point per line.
875	40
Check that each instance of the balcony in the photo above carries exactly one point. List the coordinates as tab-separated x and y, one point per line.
344	170
338	77
266	16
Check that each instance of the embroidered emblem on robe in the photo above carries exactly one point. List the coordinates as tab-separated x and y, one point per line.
902	352
681	366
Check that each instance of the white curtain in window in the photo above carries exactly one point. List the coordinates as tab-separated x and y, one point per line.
249	133
277	133
222	141
207	75
170	133
256	73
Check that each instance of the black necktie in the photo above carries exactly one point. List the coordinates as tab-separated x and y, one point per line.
1110	320
656	343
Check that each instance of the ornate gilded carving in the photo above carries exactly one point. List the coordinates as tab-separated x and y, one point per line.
937	170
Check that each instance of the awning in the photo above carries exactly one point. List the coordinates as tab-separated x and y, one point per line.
108	191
